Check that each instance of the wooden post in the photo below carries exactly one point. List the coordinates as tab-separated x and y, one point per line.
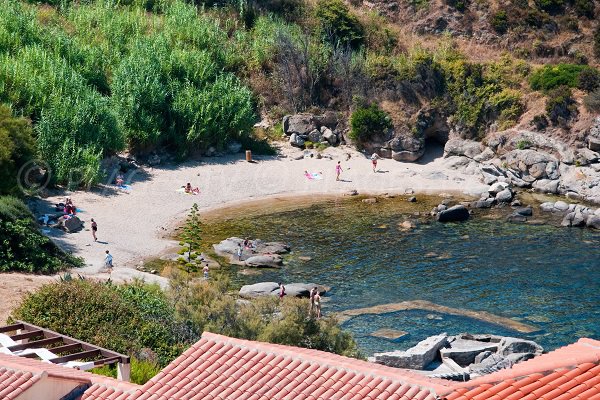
249	155
124	372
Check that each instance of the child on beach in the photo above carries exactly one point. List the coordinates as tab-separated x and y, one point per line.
108	261
374	158
205	272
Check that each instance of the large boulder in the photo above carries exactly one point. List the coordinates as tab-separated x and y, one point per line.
497	188
296	140
463	351
593	221
510	345
453	214
315	136
504	196
461	147
270	247
407	148
546	186
300	124
328	135
303	289
416	357
532	165
259	289
264	261
72	224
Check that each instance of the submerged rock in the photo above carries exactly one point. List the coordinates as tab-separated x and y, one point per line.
453	214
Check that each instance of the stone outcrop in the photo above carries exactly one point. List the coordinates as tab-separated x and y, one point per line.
256	254
272	289
574	215
314	128
417	357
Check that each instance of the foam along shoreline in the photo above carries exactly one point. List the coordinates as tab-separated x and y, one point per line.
425	305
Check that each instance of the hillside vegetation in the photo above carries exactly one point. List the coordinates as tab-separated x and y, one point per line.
101	76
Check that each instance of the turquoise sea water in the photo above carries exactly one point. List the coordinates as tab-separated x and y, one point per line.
541	275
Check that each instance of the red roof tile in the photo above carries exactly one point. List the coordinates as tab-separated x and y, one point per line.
569	373
219	367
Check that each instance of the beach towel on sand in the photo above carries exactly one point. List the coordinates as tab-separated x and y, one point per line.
313	176
182	190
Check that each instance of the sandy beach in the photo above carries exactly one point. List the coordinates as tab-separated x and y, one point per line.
136	224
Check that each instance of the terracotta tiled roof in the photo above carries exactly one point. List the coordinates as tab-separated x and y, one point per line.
13	383
568	373
29	371
219	367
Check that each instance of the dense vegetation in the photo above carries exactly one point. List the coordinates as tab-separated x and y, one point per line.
155	326
100	76
22	247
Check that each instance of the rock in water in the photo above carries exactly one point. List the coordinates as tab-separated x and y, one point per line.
453	214
525	211
265	260
593	221
416	357
259	289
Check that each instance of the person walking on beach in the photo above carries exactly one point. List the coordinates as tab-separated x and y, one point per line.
338	171
374	158
205	271
317	301
281	291
108	261
94	229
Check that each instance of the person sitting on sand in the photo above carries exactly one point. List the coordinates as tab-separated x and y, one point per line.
188	189
120	180
69	207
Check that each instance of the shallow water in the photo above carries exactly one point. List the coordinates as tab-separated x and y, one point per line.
541	275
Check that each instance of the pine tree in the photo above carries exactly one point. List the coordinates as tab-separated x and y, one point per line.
191	231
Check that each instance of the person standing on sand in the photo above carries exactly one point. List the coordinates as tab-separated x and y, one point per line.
94	229
108	261
338	171
374	158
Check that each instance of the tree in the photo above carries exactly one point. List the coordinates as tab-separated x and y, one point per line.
17	148
191	231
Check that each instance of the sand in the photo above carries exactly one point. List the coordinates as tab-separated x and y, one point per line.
137	224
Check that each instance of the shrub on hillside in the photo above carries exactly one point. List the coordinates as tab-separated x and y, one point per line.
17	147
22	247
589	79
552	76
560	104
551	6
336	20
584	8
125	318
592	101
460	5
367	122
499	22
597	41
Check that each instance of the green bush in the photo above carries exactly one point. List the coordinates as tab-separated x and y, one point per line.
126	318
141	371
560	104
584	8
499	22
335	19
17	149
552	76
367	122
589	79
22	247
551	6
460	5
